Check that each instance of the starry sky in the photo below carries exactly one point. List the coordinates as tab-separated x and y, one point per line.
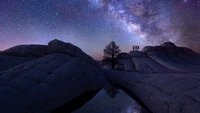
92	24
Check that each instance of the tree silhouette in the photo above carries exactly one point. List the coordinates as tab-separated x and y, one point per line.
111	51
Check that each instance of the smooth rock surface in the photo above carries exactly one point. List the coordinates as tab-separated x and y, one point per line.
162	93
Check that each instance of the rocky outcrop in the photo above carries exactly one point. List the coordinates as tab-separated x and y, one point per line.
45	83
166	58
162	93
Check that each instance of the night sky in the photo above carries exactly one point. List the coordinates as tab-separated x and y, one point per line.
92	24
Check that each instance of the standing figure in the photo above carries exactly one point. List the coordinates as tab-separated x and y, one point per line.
136	48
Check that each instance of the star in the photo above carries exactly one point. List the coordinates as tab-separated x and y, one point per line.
83	22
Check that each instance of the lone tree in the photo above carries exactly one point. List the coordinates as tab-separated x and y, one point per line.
111	51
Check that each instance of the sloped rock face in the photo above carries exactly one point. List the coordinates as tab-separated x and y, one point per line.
162	93
43	84
166	58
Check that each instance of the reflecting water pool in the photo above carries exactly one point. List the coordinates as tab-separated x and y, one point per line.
111	100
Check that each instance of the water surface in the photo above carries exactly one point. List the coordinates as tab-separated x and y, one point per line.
111	100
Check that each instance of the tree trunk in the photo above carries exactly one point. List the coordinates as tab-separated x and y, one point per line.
113	62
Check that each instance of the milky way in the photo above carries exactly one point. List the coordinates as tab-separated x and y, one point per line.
91	24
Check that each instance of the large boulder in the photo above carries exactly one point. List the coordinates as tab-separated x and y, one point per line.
57	46
41	79
44	84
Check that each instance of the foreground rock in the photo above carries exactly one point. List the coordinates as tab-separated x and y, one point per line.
162	93
45	83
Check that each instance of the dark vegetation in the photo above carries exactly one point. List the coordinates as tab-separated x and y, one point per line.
110	52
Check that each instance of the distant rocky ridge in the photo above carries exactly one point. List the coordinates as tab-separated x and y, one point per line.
54	46
159	59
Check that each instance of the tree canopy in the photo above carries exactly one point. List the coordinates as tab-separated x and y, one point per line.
111	51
